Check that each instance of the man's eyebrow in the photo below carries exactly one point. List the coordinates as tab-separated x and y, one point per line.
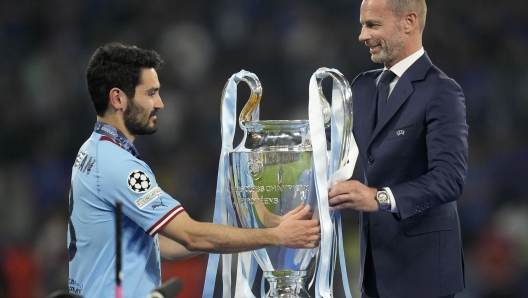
154	89
371	22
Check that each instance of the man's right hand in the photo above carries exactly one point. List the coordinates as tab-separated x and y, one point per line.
297	230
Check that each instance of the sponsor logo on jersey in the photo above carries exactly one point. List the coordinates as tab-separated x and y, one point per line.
74	286
148	198
138	181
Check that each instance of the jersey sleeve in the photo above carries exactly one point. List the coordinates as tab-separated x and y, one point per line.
131	180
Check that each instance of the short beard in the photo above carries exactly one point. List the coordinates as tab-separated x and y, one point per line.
390	49
134	123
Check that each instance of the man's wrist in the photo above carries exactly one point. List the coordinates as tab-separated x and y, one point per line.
383	199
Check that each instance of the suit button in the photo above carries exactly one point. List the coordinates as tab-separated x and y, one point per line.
366	221
370	160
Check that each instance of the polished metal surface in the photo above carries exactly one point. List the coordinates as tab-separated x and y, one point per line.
267	182
271	174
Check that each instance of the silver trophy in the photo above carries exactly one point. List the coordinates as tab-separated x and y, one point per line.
271	173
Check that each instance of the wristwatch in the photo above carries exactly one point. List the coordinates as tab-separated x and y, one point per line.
382	196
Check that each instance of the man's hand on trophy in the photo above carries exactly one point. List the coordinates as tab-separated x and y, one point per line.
352	194
297	230
299	208
272	220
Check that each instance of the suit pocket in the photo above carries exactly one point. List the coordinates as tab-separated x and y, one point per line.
431	223
402	132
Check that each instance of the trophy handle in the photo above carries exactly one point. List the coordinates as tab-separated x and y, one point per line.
250	112
325	105
346	93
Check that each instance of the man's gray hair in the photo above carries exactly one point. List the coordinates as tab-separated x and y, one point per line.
400	7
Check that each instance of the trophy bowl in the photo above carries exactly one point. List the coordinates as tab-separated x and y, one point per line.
271	175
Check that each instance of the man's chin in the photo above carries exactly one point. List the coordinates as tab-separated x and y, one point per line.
377	58
151	130
146	132
142	131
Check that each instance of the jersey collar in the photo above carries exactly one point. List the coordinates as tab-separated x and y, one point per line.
116	137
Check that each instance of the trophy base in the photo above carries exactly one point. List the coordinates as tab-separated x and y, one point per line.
287	284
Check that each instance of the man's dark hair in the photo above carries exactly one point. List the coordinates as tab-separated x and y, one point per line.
117	66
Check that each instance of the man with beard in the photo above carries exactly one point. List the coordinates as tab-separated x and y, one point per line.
124	87
410	128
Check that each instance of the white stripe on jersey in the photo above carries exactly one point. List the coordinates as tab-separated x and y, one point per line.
164	220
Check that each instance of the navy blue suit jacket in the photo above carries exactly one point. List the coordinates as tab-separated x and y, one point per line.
418	148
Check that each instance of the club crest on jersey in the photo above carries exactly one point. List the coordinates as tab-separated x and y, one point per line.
138	181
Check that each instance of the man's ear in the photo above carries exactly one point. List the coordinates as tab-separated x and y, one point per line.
410	22
117	98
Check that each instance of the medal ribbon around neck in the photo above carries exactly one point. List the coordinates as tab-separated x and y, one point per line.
116	136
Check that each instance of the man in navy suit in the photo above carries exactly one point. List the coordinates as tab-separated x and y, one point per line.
413	153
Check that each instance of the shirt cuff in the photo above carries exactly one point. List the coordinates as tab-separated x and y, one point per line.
394	208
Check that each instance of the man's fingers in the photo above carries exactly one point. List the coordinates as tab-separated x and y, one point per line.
313	240
312	226
340	207
339	188
302	213
340	199
316	223
294	211
305	216
298	208
343	188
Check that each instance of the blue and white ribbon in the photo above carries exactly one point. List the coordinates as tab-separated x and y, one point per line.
328	171
246	262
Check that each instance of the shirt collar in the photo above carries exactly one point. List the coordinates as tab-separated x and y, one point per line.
117	137
400	67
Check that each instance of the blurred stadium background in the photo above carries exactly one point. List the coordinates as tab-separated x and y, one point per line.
46	114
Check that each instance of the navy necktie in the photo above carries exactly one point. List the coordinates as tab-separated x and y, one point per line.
383	89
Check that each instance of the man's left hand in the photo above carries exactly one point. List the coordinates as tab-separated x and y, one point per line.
352	194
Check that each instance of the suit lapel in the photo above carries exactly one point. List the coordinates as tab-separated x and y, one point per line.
399	95
402	91
370	111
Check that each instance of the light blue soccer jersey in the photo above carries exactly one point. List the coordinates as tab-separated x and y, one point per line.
103	173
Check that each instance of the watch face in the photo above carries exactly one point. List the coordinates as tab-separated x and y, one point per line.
383	197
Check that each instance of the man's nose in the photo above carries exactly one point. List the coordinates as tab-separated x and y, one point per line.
363	36
159	103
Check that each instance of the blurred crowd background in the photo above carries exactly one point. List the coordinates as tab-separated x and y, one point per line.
46	114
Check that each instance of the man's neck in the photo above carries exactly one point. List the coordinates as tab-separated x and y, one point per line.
411	47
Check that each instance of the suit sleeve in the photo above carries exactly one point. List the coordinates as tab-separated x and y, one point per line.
447	151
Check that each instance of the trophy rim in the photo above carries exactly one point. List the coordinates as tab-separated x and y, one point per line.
276	122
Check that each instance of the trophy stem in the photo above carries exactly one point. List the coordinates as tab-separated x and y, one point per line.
286	284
